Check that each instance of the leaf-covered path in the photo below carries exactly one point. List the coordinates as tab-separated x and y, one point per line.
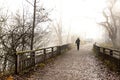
75	65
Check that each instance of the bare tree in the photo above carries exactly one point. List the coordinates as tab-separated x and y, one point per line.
58	30
111	24
3	55
12	39
17	33
39	15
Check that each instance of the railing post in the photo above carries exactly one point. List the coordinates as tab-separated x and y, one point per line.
33	58
59	49
52	51
16	63
44	55
111	52
94	46
104	50
119	62
98	49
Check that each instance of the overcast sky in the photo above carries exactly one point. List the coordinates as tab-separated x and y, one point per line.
79	15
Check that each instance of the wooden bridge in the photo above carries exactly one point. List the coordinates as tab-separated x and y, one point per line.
72	65
28	59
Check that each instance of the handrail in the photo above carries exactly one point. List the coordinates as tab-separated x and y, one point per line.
110	50
107	48
30	58
104	48
27	51
112	54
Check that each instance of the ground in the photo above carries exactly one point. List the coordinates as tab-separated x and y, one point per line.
75	65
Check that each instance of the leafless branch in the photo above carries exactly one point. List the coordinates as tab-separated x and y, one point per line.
30	3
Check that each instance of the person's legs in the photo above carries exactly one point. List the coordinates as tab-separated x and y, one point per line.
77	46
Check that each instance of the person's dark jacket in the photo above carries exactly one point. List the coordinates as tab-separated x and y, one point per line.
77	41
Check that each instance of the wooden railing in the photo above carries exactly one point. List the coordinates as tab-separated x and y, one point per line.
108	53
28	59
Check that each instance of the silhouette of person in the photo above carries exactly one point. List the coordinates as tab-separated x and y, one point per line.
78	43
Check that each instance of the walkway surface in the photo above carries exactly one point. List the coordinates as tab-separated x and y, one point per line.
75	65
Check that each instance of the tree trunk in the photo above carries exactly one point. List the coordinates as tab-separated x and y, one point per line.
34	17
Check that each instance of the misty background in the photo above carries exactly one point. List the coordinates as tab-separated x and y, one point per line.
34	24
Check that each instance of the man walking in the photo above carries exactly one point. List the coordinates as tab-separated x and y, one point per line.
78	43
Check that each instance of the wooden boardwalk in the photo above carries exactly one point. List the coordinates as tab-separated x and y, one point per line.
75	65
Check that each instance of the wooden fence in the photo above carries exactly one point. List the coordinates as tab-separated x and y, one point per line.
28	59
108	53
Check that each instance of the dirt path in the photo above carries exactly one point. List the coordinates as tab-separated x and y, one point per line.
76	65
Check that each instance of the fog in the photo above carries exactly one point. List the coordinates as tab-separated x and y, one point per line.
79	16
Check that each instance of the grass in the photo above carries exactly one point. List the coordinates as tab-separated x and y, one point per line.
41	65
110	65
